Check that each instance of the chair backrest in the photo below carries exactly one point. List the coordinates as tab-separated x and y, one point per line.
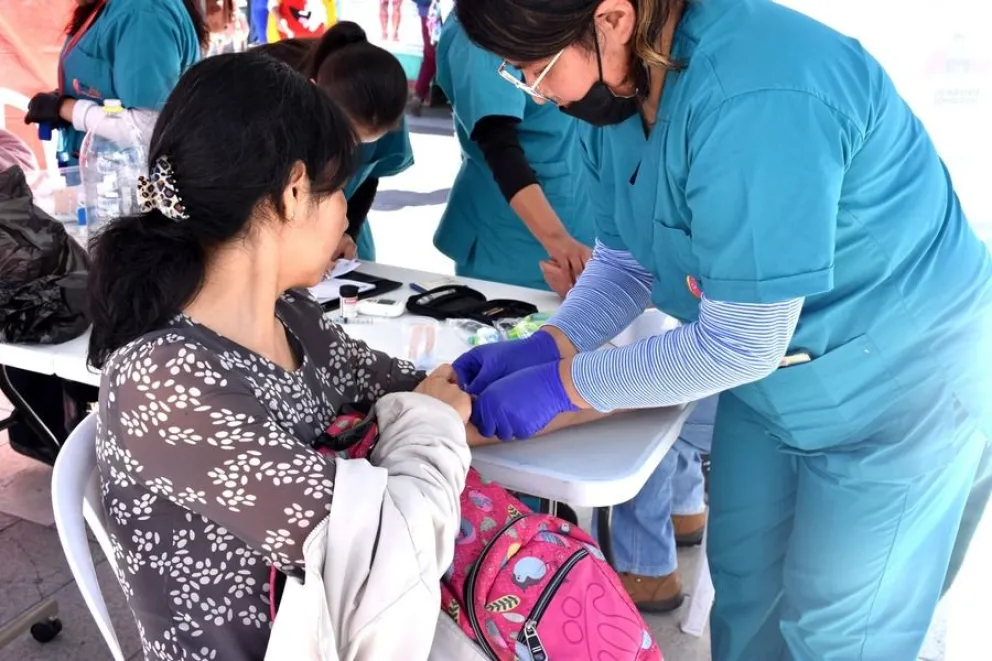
9	97
76	501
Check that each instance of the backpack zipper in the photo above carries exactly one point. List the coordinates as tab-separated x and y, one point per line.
531	639
470	591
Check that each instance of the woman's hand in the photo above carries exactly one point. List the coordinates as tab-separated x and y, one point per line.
483	365
442	384
570	256
556	277
346	248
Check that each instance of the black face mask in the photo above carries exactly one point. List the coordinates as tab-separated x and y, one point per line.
600	106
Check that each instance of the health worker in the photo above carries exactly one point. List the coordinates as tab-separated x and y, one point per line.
368	83
520	196
760	178
130	50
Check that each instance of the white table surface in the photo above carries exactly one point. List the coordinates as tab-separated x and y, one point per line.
595	465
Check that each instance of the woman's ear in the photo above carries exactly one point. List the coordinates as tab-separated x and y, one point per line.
296	190
616	20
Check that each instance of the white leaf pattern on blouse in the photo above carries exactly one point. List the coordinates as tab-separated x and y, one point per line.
208	477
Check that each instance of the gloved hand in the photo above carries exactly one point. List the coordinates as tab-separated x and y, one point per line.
521	404
44	109
483	365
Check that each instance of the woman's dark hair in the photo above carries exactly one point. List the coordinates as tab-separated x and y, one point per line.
294	51
85	8
231	130
525	31
367	81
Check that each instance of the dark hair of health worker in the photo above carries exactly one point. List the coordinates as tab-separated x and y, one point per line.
366	81
524	32
232	134
85	8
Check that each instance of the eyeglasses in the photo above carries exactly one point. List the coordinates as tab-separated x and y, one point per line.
532	90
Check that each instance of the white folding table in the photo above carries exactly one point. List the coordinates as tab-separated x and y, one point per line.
596	465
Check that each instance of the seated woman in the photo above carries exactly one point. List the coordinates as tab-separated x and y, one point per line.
218	373
369	84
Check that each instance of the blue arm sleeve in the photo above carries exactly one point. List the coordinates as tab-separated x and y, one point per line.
731	344
763	192
150	52
611	292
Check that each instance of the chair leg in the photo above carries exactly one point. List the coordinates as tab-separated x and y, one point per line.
42	615
604	532
701	599
27	415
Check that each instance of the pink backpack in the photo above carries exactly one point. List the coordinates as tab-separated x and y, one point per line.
524	586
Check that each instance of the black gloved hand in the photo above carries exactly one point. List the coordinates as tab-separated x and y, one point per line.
44	109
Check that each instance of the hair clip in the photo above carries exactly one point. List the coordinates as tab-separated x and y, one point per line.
158	191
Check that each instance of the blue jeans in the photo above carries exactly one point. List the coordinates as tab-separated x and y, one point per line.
643	535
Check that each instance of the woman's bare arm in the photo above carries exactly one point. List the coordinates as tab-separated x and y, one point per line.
563	420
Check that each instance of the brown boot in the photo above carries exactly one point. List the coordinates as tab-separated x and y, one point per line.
689	528
661	594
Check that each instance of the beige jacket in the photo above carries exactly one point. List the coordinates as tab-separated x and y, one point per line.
373	566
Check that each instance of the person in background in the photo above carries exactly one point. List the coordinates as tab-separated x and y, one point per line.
668	513
428	63
206	286
130	50
369	84
229	29
397	6
759	177
520	197
14	151
259	21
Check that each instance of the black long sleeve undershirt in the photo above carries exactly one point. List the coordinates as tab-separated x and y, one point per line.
359	206
499	141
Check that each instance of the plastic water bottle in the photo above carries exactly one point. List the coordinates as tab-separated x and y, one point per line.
110	168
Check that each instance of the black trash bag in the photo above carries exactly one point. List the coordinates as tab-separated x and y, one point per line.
42	270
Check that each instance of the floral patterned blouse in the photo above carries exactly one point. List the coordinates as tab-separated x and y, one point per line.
208	476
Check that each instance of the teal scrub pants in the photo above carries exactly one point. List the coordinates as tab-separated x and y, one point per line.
822	556
978	499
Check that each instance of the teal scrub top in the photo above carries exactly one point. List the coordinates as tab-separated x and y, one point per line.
784	164
134	51
478	225
387	156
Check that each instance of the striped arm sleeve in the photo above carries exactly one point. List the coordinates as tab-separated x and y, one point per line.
731	344
612	291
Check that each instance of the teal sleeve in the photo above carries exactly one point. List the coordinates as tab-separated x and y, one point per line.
763	191
477	90
149	55
393	153
600	193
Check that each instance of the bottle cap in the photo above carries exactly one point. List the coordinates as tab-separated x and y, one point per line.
112	105
348	291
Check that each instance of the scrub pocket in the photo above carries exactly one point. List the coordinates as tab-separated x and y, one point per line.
825	403
90	77
676	285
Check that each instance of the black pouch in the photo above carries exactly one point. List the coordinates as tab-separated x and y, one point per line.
461	302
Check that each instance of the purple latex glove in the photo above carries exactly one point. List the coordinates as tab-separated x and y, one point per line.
521	404
481	366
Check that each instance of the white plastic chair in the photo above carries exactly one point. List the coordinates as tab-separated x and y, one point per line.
9	97
76	500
